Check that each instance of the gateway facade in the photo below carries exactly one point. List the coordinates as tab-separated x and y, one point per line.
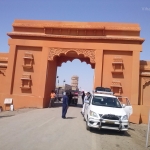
37	48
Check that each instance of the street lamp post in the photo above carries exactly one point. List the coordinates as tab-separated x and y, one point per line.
57	87
57	81
64	83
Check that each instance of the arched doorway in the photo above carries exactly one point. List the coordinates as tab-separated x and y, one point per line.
57	56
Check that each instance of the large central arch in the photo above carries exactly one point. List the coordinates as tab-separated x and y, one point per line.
81	54
38	47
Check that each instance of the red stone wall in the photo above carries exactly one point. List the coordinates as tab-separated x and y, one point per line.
20	70
125	74
48	44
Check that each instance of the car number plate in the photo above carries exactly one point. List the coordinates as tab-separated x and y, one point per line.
110	122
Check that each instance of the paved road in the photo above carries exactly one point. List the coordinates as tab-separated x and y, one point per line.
44	129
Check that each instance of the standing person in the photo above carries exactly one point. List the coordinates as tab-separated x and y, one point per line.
83	95
65	105
82	111
52	98
86	98
70	98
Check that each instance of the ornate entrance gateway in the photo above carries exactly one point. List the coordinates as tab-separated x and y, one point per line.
37	48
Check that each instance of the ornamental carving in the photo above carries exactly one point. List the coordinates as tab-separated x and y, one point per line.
90	53
145	67
28	60
146	80
26	82
2	72
118	60
4	59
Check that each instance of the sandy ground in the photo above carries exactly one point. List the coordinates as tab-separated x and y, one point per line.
44	129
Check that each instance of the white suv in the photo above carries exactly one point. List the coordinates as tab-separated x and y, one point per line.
105	111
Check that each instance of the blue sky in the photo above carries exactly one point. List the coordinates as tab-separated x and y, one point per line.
136	11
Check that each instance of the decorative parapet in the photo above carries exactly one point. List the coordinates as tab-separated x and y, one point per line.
26	81
76	25
90	53
28	60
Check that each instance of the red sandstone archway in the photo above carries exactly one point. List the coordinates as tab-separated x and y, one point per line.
56	57
79	53
38	47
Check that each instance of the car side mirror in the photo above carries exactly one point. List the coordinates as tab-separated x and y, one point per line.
123	105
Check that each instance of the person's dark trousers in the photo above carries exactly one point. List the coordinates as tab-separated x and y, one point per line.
82	100
69	102
51	103
64	110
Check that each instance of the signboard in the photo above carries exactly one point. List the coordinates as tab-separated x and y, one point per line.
8	101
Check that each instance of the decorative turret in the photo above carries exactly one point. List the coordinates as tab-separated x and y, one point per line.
74	82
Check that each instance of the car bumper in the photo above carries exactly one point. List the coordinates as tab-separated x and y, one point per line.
108	124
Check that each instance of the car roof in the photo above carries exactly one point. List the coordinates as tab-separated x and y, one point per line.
105	95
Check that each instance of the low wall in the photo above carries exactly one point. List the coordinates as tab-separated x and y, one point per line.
21	101
140	114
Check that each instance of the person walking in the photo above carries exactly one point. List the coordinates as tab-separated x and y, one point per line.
52	99
65	105
83	95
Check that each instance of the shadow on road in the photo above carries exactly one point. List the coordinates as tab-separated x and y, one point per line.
110	132
59	104
71	117
78	105
131	129
6	116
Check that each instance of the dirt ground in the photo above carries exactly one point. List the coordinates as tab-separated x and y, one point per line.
138	133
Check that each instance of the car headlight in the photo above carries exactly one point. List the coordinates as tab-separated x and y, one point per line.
125	117
93	114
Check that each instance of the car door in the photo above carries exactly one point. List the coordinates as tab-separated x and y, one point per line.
128	108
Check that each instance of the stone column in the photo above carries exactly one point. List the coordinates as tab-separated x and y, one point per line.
47	77
98	68
135	77
43	72
10	70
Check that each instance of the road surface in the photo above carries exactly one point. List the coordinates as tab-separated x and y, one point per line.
44	129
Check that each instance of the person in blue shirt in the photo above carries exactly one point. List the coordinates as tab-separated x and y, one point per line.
65	105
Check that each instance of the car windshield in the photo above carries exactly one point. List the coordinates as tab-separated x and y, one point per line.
106	101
